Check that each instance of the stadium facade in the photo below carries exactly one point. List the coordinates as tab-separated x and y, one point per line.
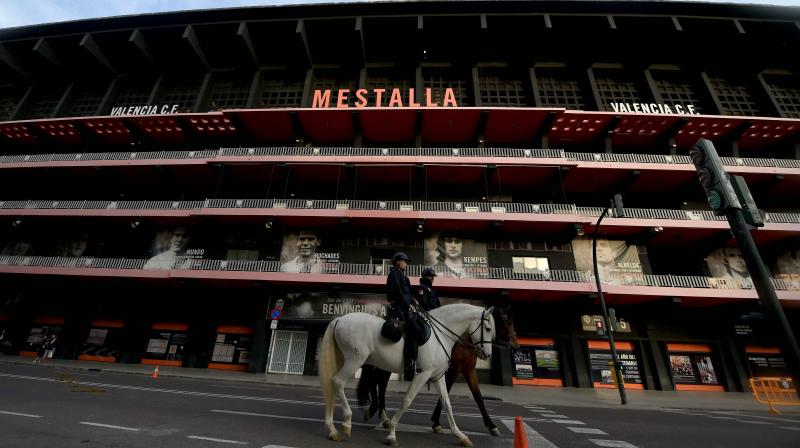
208	189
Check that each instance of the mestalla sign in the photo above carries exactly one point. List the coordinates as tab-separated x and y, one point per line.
362	98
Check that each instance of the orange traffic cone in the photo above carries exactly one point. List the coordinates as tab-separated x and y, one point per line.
155	373
520	439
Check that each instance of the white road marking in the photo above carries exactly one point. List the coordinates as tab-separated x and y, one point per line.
587	431
401	427
211	439
554	416
612	443
20	414
103	425
404	427
723	418
755	422
568	422
763	417
233	397
545	411
276	446
790	428
533	436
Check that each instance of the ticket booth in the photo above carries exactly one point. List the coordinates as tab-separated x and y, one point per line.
103	342
537	363
232	348
165	346
43	326
693	367
602	367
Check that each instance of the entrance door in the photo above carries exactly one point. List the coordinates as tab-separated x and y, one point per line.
288	352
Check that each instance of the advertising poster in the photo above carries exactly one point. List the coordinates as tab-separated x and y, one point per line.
327	306
787	269
727	268
523	369
101	344
174	248
536	362
767	364
693	369
451	255
306	251
601	365
617	261
232	348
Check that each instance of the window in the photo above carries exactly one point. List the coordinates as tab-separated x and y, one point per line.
531	265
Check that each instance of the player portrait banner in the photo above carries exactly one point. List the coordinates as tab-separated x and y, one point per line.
787	269
174	248
327	306
617	261
308	251
454	256
727	269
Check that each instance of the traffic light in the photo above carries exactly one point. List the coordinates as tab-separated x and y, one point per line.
616	204
752	215
719	191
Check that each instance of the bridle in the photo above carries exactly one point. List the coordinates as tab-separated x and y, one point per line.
457	338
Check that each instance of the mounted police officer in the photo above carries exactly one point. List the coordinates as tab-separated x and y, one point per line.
399	292
426	296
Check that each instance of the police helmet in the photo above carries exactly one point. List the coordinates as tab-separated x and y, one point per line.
400	256
428	272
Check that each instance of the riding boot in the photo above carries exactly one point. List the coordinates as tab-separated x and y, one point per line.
410	370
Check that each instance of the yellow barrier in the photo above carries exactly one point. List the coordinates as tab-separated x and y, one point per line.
774	391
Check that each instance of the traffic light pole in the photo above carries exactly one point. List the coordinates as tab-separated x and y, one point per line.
615	359
764	287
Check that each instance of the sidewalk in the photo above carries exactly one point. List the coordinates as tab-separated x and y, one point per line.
552	396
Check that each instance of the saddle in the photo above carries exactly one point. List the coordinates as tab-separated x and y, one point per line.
394	327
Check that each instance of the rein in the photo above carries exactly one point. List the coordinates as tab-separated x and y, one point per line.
458	339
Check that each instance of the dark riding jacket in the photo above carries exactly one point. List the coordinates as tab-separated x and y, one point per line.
398	290
427	297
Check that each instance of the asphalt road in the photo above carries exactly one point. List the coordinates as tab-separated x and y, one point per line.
41	406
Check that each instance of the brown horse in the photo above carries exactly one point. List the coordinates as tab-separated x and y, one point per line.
372	384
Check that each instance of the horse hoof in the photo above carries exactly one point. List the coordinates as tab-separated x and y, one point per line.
494	431
465	442
438	429
334	436
391	441
347	430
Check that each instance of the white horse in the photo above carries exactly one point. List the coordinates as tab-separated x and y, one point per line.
355	339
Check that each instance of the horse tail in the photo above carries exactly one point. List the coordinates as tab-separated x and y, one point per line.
331	360
365	383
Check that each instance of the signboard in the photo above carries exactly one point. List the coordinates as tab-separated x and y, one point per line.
146	109
273	325
327	306
275	314
595	321
397	98
655	108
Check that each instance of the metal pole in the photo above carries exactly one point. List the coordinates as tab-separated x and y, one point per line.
615	359
765	288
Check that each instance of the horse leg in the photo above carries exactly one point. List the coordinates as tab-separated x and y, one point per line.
330	363
450	378
472	381
413	389
462	438
340	380
382	380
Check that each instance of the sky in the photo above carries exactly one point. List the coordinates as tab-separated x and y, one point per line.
27	12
